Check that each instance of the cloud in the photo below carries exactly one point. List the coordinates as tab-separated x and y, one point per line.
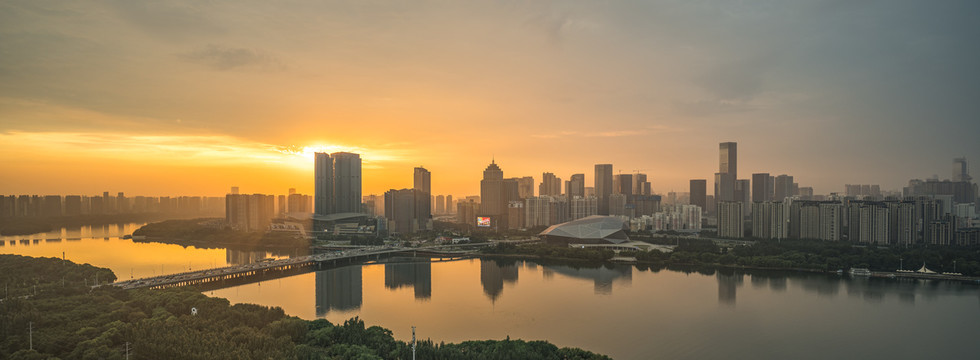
649	129
209	150
223	58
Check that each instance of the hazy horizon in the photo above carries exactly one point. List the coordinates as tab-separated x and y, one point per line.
185	97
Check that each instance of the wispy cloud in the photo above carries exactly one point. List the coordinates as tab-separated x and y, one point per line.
646	130
210	150
226	58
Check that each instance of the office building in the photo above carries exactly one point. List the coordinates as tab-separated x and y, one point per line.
761	188
323	190
603	186
623	184
960	172
743	194
423	193
401	210
640	185
724	187
699	193
347	182
575	186
783	187
727	172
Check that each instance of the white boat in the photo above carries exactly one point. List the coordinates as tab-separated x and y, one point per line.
859	272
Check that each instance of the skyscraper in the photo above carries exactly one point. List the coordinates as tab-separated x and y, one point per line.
640	184
783	187
727	172
494	193
761	189
728	164
575	186
623	184
401	210
347	182
724	187
323	191
603	186
699	188
550	185
960	172
423	190
743	194
525	187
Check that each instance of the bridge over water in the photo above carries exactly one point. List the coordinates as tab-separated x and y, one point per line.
273	268
239	274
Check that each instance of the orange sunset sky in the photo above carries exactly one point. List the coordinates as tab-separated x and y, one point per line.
190	97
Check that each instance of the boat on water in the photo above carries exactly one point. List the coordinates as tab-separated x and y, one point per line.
859	272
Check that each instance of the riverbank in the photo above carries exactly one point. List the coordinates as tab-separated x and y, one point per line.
35	225
72	320
792	255
192	233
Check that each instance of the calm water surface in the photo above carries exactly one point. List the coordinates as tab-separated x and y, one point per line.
636	313
624	311
104	246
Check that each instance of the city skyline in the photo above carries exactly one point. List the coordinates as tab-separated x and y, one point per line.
183	98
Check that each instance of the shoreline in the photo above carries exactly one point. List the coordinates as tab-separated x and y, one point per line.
667	264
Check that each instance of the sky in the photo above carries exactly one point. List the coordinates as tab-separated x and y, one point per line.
193	97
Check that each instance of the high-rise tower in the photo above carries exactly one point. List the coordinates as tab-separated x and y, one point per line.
603	186
423	192
323	190
960	172
727	172
347	182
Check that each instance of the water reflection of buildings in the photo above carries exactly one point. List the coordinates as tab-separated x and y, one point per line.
242	257
728	282
493	275
338	289
417	275
603	277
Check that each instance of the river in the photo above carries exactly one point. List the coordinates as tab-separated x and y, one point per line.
625	311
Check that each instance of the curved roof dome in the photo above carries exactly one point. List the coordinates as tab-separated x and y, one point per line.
596	228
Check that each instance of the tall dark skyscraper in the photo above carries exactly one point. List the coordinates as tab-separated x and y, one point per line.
575	186
960	172
728	163
337	183
727	173
699	193
347	182
623	184
492	199
603	186
783	187
423	190
401	210
323	195
761	188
